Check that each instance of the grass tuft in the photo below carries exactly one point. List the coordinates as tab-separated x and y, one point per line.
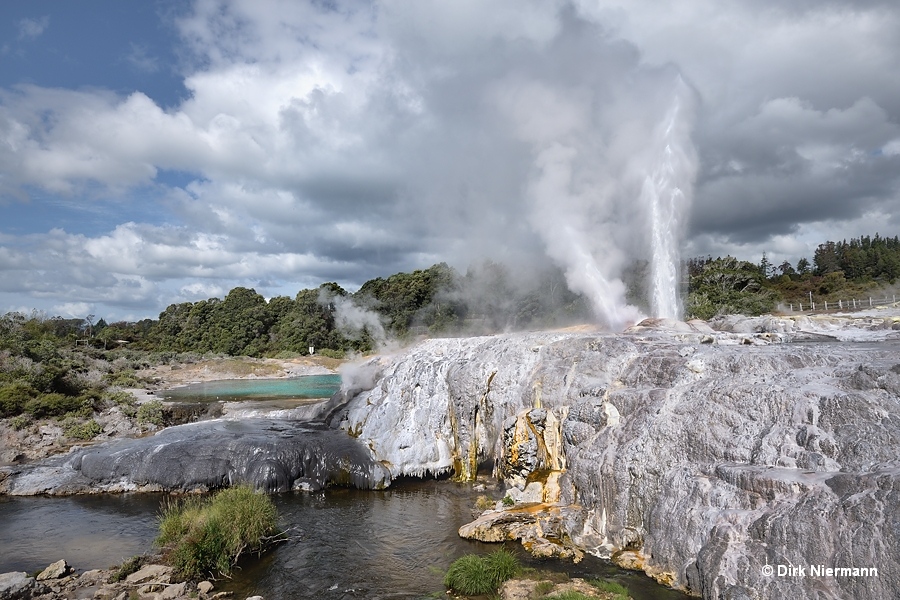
474	575
132	565
206	536
605	585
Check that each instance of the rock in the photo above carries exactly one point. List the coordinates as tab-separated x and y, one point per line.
93	576
205	587
150	573
527	589
171	592
707	461
531	442
269	454
255	598
520	589
58	569
16	586
532	524
498	526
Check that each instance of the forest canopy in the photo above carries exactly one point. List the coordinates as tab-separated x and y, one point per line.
488	298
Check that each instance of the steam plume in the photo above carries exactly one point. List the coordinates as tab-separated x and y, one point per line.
598	204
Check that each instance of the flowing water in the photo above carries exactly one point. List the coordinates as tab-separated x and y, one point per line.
344	543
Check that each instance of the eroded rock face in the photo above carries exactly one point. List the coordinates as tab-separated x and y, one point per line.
699	461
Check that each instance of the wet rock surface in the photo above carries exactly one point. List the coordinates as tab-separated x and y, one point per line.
270	454
700	461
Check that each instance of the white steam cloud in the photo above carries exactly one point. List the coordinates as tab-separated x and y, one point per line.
614	187
354	321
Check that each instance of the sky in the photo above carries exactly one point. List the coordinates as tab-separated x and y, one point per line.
168	151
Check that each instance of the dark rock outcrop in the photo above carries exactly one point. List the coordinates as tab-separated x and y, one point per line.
272	455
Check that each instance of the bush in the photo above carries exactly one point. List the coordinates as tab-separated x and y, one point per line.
206	536
119	399
151	412
20	422
81	430
125	378
13	397
475	575
53	405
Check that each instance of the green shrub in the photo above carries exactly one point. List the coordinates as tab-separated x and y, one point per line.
125	378
14	396
81	430
119	398
329	353
508	500
20	422
150	412
52	405
475	575
206	536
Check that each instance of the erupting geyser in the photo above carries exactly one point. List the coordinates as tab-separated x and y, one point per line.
667	192
584	194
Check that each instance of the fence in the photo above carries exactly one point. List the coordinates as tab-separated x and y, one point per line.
852	304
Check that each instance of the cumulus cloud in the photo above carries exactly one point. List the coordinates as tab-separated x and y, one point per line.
342	141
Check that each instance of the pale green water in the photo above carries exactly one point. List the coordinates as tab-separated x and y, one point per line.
234	390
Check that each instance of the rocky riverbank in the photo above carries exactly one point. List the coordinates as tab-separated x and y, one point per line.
150	582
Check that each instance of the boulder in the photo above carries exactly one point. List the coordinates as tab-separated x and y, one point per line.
542	529
58	569
150	574
205	587
16	586
174	591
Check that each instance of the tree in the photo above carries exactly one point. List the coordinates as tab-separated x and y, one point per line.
728	285
765	267
786	269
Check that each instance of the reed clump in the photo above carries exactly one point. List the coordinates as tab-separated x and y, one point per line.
474	575
202	536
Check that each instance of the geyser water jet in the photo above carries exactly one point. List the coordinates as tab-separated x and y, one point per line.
621	182
667	193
